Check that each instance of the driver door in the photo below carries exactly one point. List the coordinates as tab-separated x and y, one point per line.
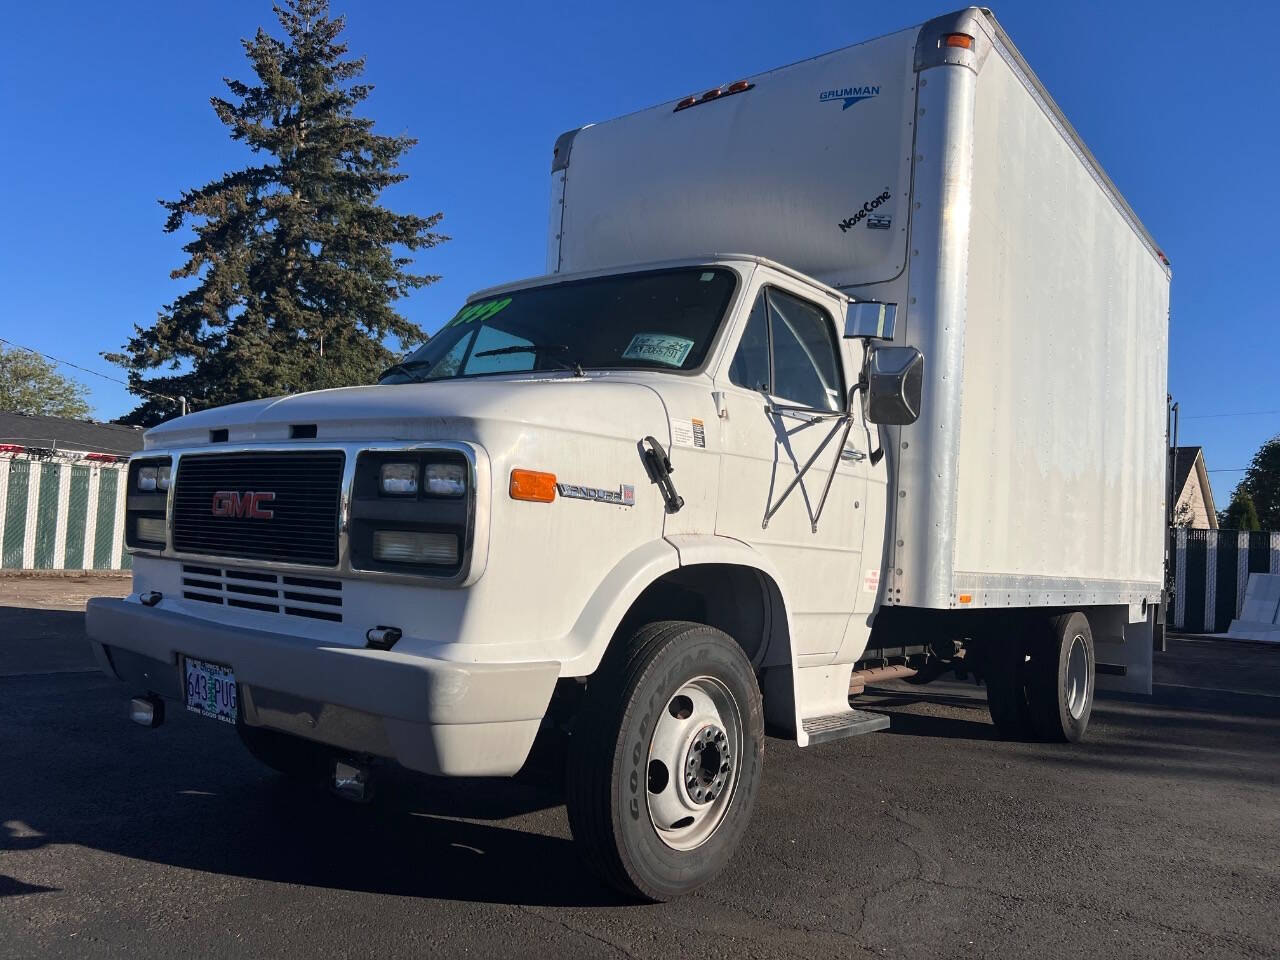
790	353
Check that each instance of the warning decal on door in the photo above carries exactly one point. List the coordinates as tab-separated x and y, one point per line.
688	432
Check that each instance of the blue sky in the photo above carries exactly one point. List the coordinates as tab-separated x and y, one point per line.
105	110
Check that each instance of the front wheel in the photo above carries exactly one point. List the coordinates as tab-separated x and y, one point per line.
665	759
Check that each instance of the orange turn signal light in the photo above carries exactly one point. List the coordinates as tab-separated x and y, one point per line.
533	486
958	40
966	598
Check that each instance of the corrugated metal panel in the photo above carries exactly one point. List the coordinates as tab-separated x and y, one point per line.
15	514
77	517
1211	570
47	516
104	525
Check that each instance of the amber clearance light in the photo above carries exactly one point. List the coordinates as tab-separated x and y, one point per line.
533	485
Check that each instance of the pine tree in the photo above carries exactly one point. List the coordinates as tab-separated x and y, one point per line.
295	262
1241	513
1262	481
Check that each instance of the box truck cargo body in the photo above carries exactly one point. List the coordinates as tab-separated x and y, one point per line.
848	371
1034	475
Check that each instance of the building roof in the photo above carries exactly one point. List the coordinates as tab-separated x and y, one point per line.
1184	460
63	433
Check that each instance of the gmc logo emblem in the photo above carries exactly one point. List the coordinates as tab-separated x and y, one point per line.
233	503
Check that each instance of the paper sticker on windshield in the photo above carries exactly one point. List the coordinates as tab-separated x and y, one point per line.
479	311
658	348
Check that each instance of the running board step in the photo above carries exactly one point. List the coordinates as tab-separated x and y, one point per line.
848	723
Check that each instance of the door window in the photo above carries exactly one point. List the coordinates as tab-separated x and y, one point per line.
806	366
750	367
789	350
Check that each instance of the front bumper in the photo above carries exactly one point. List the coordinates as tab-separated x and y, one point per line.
440	717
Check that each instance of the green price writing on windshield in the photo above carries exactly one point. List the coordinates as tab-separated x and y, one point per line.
474	312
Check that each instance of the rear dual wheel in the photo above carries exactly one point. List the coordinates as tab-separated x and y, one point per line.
1040	678
665	759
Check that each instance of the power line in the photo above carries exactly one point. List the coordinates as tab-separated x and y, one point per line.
1228	470
123	383
1244	413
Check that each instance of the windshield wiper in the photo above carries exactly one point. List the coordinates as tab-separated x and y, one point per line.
573	365
405	367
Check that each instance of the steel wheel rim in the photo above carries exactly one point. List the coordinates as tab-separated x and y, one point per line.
694	758
1077	687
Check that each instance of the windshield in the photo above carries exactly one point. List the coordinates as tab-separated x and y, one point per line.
663	320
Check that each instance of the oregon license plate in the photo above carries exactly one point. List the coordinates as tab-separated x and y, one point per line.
211	689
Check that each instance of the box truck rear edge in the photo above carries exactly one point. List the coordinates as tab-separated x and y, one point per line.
668	492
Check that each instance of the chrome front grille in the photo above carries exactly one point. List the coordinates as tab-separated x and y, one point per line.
280	507
283	594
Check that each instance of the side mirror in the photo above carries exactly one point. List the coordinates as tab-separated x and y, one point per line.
895	380
873	321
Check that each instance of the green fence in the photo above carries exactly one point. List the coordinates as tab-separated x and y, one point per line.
59	514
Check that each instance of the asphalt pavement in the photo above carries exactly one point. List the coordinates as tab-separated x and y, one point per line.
1158	837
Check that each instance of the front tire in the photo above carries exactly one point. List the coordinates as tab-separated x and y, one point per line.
665	759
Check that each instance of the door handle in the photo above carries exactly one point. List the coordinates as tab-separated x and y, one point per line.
852	453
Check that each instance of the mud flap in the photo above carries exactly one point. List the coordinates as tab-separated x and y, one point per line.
1123	663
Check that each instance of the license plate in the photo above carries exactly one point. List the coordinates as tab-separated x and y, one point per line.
211	689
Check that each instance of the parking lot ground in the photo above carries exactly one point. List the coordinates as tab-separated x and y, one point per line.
1158	837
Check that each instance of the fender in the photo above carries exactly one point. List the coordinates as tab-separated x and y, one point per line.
614	596
586	641
705	548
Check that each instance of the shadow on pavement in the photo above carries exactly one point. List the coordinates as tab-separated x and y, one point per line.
188	795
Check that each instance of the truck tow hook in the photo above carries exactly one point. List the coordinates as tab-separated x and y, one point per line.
147	711
350	780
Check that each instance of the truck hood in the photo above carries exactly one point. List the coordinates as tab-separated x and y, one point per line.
450	409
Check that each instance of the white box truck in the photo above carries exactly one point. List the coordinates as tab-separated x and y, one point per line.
851	369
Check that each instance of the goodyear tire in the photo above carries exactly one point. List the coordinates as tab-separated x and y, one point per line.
665	759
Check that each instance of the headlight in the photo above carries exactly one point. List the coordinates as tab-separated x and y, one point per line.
446	479
151	529
147	505
409	546
399	479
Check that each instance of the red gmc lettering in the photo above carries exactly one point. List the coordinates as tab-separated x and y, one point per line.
233	503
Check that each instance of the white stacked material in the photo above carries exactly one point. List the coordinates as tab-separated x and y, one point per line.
1260	616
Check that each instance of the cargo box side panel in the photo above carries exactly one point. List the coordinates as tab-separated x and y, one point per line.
810	167
1060	485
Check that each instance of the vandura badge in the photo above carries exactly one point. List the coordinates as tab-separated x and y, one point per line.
624	496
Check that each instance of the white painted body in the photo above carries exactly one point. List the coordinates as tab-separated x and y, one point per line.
1033	478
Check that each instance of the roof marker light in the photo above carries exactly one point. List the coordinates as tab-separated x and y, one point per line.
958	40
738	86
